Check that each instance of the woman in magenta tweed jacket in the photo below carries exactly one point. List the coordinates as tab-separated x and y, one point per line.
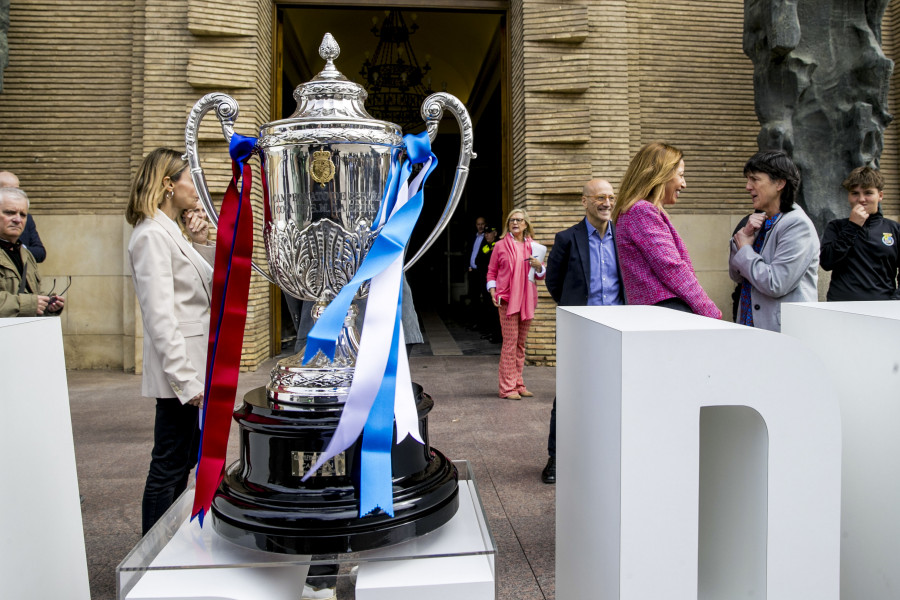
656	267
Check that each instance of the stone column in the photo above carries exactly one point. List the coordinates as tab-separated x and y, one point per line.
821	84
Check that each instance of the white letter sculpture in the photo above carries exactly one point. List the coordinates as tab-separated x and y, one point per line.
695	459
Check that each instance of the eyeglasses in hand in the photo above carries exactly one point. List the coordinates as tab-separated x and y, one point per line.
65	289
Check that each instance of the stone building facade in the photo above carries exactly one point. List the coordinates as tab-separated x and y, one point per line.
91	87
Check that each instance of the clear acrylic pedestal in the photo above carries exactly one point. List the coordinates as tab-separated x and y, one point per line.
178	559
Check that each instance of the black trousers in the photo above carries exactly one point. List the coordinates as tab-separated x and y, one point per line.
176	440
551	439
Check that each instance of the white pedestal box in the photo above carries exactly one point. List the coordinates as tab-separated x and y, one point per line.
179	560
695	459
859	346
41	535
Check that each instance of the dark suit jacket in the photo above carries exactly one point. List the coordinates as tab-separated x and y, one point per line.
31	240
569	266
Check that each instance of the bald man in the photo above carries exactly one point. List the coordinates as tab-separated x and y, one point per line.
29	238
583	270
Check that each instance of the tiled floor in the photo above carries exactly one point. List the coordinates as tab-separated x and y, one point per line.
504	440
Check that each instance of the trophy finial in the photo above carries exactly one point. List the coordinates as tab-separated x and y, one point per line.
329	49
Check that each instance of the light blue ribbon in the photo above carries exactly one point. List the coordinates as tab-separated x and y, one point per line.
375	461
390	243
375	490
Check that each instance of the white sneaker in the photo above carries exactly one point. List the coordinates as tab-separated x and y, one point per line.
312	593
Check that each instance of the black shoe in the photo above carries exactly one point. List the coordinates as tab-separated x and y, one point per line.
548	475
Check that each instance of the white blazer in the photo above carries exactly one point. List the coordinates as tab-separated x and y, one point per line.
173	287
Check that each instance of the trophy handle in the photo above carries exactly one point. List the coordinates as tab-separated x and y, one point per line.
432	111
227	112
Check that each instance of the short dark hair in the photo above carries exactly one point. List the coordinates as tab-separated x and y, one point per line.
777	165
865	178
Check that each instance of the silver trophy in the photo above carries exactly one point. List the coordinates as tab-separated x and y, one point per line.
326	167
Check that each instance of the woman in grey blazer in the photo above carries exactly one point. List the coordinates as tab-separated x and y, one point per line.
775	256
171	266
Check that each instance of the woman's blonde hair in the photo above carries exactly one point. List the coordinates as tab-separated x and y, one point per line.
529	232
649	171
148	187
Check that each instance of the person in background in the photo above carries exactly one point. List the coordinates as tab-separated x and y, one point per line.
863	251
474	278
20	280
29	238
655	264
487	322
172	273
515	296
583	270
775	256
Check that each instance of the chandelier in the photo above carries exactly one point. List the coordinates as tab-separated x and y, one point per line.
396	83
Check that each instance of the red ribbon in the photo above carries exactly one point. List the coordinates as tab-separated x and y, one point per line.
231	286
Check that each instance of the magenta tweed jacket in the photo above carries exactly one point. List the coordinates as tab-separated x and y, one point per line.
655	263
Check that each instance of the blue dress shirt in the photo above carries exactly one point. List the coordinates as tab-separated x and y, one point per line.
604	287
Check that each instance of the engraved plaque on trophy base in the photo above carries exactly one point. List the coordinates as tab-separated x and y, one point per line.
262	502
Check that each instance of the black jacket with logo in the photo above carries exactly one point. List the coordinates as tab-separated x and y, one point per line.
864	260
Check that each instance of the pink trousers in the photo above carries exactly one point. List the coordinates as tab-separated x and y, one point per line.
512	353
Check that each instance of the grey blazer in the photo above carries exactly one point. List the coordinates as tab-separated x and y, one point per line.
173	287
785	270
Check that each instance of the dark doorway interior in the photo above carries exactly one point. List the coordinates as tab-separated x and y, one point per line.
464	53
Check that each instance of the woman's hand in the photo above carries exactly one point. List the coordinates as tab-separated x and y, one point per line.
494	297
197	225
747	234
196	400
535	263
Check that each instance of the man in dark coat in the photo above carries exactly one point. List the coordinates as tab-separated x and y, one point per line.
583	270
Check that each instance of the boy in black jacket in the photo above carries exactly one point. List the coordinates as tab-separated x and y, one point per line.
863	251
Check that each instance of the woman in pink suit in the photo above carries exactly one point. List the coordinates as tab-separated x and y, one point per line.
515	296
656	267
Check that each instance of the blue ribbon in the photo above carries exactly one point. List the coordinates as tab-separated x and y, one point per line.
375	468
375	490
241	147
389	196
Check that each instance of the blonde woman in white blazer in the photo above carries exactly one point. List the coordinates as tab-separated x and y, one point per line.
171	268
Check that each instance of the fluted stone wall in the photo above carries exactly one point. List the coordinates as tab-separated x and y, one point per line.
90	88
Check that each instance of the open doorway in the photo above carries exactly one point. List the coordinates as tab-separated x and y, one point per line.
465	52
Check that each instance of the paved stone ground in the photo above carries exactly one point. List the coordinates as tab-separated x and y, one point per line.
504	440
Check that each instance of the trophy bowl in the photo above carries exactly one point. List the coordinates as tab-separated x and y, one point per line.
325	169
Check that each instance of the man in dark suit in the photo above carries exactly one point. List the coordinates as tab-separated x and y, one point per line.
583	270
476	279
487	319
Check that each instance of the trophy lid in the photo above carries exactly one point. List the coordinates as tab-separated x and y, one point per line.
330	107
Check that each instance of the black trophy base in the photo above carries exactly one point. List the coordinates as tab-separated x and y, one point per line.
263	504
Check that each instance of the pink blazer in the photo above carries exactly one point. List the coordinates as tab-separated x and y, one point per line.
655	263
508	271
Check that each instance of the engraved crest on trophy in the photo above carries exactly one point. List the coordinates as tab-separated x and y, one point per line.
322	167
